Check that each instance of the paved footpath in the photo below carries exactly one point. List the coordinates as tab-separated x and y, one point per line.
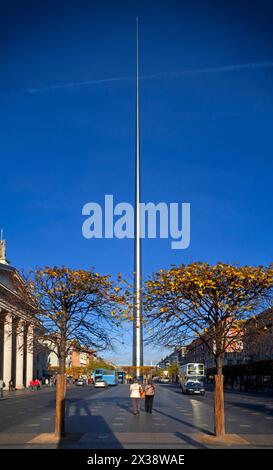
99	419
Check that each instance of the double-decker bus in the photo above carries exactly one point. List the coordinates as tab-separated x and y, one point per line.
110	376
191	372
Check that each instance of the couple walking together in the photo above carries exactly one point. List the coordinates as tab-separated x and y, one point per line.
137	392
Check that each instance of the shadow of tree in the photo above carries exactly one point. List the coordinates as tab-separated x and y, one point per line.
174	418
81	423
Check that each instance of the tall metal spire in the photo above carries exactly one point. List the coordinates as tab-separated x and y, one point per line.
137	333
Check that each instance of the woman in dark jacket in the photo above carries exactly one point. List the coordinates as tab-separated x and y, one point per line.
149	396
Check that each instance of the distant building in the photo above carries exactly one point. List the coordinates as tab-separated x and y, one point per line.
81	357
253	343
78	356
175	357
258	338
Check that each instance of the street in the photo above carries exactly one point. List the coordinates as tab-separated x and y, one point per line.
102	418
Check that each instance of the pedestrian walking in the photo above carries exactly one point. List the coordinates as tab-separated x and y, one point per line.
38	384
2	385
31	385
149	396
135	394
11	385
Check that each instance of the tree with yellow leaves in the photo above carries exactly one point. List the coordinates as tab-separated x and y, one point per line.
75	307
208	302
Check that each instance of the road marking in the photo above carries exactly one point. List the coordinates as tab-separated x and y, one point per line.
245	425
268	417
33	424
117	424
46	419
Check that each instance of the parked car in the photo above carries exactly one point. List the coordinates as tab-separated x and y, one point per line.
164	380
100	383
191	387
80	382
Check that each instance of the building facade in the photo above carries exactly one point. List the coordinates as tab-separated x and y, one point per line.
176	357
253	344
81	357
18	328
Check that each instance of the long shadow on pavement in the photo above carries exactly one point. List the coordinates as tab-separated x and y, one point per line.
80	421
183	422
186	438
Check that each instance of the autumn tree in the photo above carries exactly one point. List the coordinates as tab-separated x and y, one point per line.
173	370
145	371
208	302
99	363
75	307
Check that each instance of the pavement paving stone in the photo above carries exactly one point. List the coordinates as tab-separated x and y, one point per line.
104	419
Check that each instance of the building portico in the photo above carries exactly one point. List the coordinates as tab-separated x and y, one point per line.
16	327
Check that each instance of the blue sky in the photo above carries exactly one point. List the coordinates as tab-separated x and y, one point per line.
206	128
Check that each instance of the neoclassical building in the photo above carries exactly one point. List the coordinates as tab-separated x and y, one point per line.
19	356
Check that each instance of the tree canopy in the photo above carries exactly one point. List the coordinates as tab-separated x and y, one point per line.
200	300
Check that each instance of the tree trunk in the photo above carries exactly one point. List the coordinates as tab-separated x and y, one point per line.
219	410
60	400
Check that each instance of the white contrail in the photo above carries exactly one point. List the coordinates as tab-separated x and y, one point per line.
160	75
224	68
77	84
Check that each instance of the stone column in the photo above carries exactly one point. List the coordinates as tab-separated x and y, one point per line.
29	361
7	349
19	354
